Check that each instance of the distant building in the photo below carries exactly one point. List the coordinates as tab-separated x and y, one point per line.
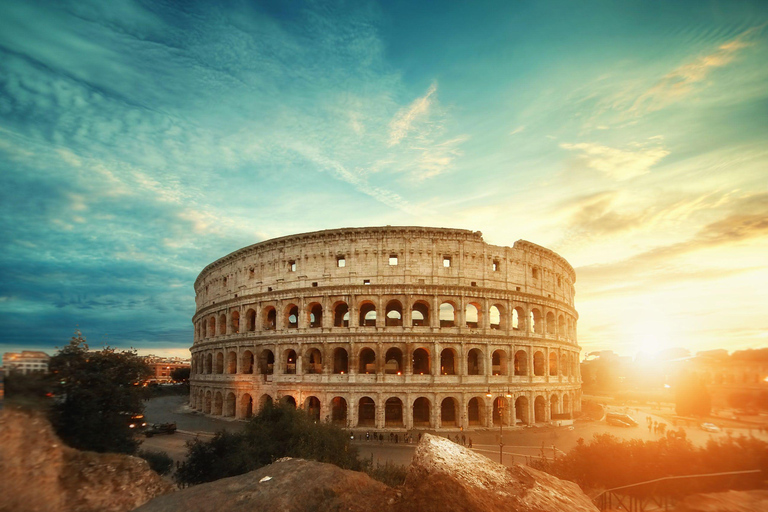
163	367
28	361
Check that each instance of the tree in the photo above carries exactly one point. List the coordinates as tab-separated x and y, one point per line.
97	394
180	374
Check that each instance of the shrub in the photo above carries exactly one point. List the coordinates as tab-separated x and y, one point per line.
388	473
158	461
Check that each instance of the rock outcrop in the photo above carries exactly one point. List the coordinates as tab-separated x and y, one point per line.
446	477
40	473
729	501
294	485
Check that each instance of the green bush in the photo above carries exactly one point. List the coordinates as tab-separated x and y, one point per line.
158	461
388	473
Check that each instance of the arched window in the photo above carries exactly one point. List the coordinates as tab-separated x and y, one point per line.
420	314
422	412
367	315
222	324
393	362
212	326
496	317
420	362
536	321
290	362
538	364
447	315
340	361
292	316
518	319
312	406
341	315
394	314
315	316
539	409
247	362
235	322
229	405
270	319
521	410
474	362
232	363
448	362
553	363
266	362
314	361
472	315
366	412
499	362
551	327
475	412
367	361
561	330
209	364
339	411
521	363
393	412
448	412
219	362
250	320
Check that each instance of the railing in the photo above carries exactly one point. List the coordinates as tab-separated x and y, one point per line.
627	497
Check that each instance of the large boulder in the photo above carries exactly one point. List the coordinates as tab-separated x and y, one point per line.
288	485
446	477
40	473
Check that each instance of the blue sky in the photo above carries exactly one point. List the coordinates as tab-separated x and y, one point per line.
140	141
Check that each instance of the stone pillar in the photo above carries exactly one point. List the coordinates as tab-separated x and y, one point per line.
434	317
408	412
380	420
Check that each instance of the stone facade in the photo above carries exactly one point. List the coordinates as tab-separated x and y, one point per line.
389	328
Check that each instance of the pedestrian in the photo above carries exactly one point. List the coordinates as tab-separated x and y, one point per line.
419	436
470	442
367	435
463	440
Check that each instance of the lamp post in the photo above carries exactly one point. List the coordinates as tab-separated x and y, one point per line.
501	423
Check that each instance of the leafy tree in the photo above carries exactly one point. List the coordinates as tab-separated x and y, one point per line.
97	394
277	431
180	374
29	390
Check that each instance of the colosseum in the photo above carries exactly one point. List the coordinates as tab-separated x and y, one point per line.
391	328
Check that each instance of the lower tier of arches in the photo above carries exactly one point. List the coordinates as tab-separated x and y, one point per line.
382	409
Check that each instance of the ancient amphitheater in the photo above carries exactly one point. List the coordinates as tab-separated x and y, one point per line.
389	328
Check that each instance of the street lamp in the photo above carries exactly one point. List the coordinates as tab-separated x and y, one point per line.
501	423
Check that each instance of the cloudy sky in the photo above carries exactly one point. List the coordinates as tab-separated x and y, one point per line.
140	141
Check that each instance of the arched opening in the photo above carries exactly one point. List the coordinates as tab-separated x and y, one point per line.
290	362
366	412
551	323
420	362
219	362
472	315
315	316
561	329
422	413
209	364
204	326
394	314
235	322
393	362
367	315
340	361
229	405
539	409
448	362
367	361
314	362
270	319
339	411
264	401
449	411
266	362
447	315
218	404
499	362
521	410
341	315
250	320
246	406
288	400
312	406
499	406
292	316
207	407
538	364
474	362
393	412
475	412
536	321
246	365
566	404
222	324
231	362
518	319
521	363
553	363
420	314
554	402
496	317
212	326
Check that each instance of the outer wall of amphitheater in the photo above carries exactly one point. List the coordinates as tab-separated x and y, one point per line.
389	328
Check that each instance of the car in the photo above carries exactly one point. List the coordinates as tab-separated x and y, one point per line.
135	421
160	428
620	420
709	427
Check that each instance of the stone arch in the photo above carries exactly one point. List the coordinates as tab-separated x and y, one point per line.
339	411
315	311
314	361
447	314
536	324
421	361
312	406
208	404
246	406
539	409
266	362
291	361
420	314
499	362
449	412
230	405
394	314
553	366
367	361
288	400
235	322
209	363
393	361
231	362
538	364
551	327
218	403
475	362
212	326
448	359
473	315
498	408
367	314
250	320
422	412
291	318
269	316
554	405
393	412
521	410
476	411
222	324
341	314
366	412
264	401
496	317
246	362
340	360
561	329
566	403
219	362
518	319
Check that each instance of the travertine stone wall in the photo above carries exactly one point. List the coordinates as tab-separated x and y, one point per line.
389	327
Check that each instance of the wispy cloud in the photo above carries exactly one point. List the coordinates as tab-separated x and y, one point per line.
404	120
620	164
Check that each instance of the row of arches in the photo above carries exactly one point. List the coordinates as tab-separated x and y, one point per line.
398	411
369	360
366	314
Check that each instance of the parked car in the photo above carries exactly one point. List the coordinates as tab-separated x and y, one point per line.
709	427
160	428
620	420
